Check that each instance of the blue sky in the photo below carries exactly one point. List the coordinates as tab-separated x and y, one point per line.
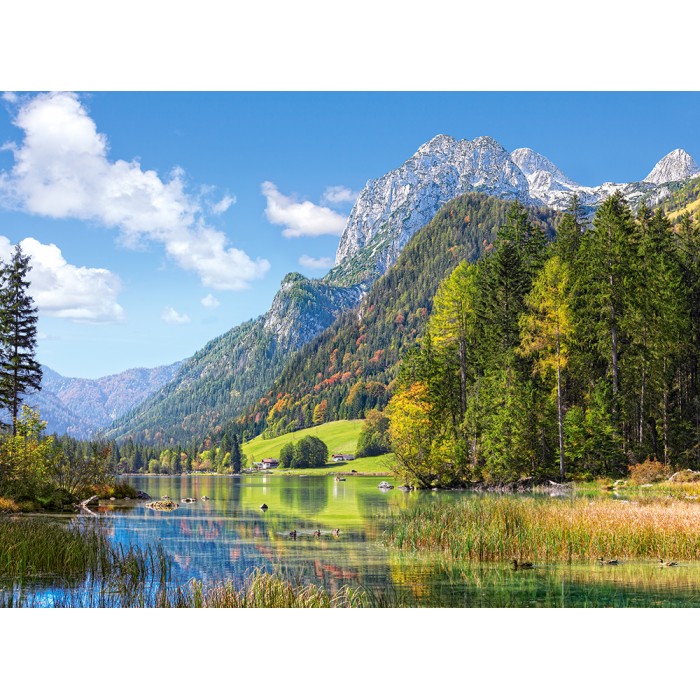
160	220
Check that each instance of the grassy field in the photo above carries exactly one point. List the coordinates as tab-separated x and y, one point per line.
340	436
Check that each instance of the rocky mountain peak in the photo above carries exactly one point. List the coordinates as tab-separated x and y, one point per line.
677	165
438	144
533	163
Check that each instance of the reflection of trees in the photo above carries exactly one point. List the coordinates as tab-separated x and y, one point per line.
312	495
287	493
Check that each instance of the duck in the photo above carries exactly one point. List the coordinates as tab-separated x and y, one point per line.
317	533
609	562
293	534
336	532
522	565
668	563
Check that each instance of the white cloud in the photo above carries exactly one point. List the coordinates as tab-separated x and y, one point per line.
63	290
62	170
316	263
169	315
210	302
300	218
223	204
10	97
338	194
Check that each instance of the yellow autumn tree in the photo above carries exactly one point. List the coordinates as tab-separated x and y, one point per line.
545	329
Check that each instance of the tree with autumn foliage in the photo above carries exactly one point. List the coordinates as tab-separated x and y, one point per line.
545	329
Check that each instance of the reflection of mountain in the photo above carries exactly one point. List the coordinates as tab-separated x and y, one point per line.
228	536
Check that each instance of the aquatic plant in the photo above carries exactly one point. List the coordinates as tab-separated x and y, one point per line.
501	529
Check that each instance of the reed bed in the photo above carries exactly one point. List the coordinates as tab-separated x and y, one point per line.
493	529
35	547
71	558
264	590
48	563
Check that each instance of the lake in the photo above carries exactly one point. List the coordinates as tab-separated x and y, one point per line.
228	536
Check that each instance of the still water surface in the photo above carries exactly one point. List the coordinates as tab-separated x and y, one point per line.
228	536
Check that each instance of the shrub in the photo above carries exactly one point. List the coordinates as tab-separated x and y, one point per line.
649	471
7	505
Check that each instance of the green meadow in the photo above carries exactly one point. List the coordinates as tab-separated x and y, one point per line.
340	436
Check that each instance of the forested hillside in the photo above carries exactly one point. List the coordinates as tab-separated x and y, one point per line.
685	200
232	370
572	359
349	368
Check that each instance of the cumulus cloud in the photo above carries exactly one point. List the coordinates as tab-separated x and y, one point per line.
169	315
62	170
224	204
300	218
63	290
210	302
10	97
316	263
338	194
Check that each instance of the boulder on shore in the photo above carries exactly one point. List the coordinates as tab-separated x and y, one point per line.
685	476
143	496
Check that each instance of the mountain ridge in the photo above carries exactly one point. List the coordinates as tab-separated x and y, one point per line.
235	368
390	209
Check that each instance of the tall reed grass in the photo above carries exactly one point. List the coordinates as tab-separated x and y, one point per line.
485	529
45	563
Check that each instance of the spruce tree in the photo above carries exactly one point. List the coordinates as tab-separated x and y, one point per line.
19	371
236	455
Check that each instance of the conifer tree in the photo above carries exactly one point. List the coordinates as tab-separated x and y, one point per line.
235	454
19	371
602	286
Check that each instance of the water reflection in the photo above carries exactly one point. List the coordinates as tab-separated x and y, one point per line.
228	536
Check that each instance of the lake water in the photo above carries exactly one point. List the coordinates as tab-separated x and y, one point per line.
228	536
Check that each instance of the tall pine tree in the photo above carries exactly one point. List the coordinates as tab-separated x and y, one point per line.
19	371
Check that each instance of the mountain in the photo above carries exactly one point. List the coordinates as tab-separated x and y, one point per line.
82	407
234	369
677	165
392	208
350	366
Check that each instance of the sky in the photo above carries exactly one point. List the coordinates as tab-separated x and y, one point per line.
157	221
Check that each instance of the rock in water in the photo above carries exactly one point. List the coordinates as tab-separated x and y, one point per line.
385	485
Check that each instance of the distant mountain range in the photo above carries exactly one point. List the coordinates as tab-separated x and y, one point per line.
240	366
83	407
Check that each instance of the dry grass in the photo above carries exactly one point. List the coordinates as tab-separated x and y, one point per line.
264	590
500	529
